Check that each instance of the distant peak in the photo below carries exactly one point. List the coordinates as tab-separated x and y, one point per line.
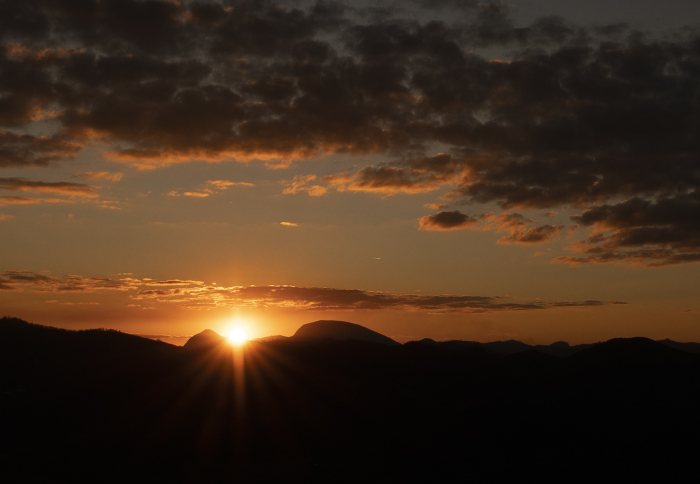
205	340
427	341
340	330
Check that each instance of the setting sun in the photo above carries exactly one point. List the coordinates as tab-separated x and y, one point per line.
237	336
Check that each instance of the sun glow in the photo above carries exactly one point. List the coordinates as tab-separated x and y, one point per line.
237	336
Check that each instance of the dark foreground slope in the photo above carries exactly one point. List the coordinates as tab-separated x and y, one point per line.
101	406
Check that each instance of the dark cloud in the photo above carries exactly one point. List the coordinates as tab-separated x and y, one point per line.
443	221
344	299
587	302
63	188
533	235
494	25
28	150
573	117
640	231
515	223
448	4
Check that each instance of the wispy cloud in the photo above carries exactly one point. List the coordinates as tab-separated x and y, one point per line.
532	235
17	280
99	175
19	201
391	180
62	188
226	184
303	183
198	295
211	187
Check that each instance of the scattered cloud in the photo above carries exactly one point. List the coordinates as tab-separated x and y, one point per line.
99	175
515	223
4	216
444	221
289	224
505	221
211	187
423	176
641	232
62	188
302	183
533	235
226	184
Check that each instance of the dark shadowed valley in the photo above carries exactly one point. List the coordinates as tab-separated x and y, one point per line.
105	406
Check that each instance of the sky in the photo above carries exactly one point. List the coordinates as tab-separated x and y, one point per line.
451	169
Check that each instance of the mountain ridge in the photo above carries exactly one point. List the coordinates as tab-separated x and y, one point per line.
75	403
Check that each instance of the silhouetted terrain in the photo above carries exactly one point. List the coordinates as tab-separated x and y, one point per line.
340	330
103	406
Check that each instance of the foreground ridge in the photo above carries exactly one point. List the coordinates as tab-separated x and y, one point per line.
80	404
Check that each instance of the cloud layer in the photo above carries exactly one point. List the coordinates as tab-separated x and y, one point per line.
197	295
589	118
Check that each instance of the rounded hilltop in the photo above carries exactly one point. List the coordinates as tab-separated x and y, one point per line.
340	330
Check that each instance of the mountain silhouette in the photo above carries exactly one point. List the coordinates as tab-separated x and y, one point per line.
689	347
340	330
511	347
206	340
628	350
105	406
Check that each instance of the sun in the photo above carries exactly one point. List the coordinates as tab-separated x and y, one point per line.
237	336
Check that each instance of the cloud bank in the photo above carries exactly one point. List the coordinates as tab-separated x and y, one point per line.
198	295
596	119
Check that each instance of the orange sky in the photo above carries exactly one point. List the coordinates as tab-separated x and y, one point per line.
456	170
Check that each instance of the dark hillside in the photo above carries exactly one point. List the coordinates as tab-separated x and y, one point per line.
340	330
102	406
